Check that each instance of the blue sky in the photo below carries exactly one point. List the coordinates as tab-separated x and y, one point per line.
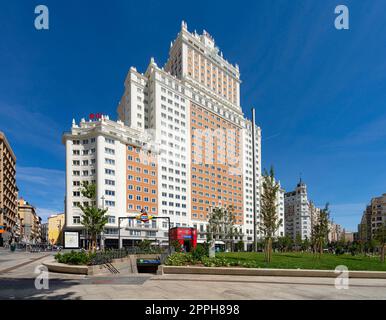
319	93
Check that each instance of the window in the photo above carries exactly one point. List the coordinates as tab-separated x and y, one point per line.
109	161
110	172
109	151
111	219
111	231
111	141
76	220
110	203
110	182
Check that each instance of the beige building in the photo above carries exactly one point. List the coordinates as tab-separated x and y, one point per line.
55	228
30	223
378	213
347	236
335	232
373	217
8	190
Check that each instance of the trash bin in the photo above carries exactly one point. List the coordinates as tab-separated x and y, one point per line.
12	247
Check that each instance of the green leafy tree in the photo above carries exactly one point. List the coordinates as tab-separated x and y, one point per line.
298	241
305	244
145	245
320	230
93	219
269	222
240	246
371	245
284	244
380	237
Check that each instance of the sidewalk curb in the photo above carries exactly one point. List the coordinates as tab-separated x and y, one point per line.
267	272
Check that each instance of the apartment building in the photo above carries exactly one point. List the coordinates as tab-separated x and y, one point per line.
119	161
334	232
297	213
191	110
373	217
280	211
8	190
378	213
364	227
44	233
55	227
30	222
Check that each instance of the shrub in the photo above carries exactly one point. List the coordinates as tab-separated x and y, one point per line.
74	257
239	246
339	250
176	245
199	252
145	245
178	259
216	262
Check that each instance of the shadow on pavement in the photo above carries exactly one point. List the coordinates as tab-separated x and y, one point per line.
24	288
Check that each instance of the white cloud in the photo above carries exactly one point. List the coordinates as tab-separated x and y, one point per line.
41	176
44	213
43	188
24	125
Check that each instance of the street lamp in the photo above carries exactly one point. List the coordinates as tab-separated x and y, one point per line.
59	231
102	232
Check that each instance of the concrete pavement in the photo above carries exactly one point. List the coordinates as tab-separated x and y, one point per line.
19	284
10	260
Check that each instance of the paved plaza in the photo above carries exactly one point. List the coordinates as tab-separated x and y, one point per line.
17	279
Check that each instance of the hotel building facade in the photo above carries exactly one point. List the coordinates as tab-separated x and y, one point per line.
181	146
8	190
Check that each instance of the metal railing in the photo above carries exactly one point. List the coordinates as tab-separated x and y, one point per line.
107	256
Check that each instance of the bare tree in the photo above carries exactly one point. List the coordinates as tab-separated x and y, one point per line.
222	226
269	222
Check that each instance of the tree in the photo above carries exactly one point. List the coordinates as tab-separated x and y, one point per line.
240	246
320	230
221	226
298	241
284	243
305	244
380	236
269	222
93	218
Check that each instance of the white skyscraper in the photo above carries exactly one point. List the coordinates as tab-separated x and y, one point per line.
191	108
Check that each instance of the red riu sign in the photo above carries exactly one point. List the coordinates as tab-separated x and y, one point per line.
95	115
